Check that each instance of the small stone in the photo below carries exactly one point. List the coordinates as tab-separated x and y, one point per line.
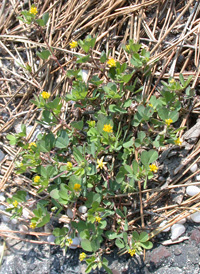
192	190
164	223
177	230
158	255
75	243
23	228
85	75
195	217
2	197
82	209
70	213
195	236
198	177
194	168
182	221
51	238
25	213
177	251
5	218
2	155
14	221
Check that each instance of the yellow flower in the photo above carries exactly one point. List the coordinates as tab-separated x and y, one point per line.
33	225
98	219
151	105
77	187
100	163
69	240
153	168
33	10
178	141
82	256
127	47
31	145
15	203
172	81
111	63
36	179
108	128
73	44
69	166
131	252
168	121
45	95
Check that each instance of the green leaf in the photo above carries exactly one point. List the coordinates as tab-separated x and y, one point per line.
148	157
107	269
111	235
119	243
40	23
44	55
86	245
62	140
77	125
103	57
90	267
54	194
82	59
146	245
45	17
143	236
135	235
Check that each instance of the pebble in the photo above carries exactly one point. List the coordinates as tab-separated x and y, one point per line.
194	168
25	213
2	197
51	238
198	177
82	209
85	75
5	218
23	228
163	224
177	230
70	213
192	190
2	155
182	221
75	243
2	207
195	217
14	221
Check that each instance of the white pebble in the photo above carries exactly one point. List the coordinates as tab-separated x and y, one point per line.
82	209
164	223
51	238
194	168
182	221
5	218
198	177
23	228
70	213
192	190
25	213
2	207
177	230
75	243
85	75
14	221
2	197
195	217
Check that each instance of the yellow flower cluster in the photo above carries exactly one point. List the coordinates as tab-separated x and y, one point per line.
168	121
73	44
178	141
127	47
108	128
31	145
69	166
82	256
172	81
98	219
77	187
153	168
36	179
15	203
111	63
45	95
69	240
100	163
33	225
33	10
132	252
